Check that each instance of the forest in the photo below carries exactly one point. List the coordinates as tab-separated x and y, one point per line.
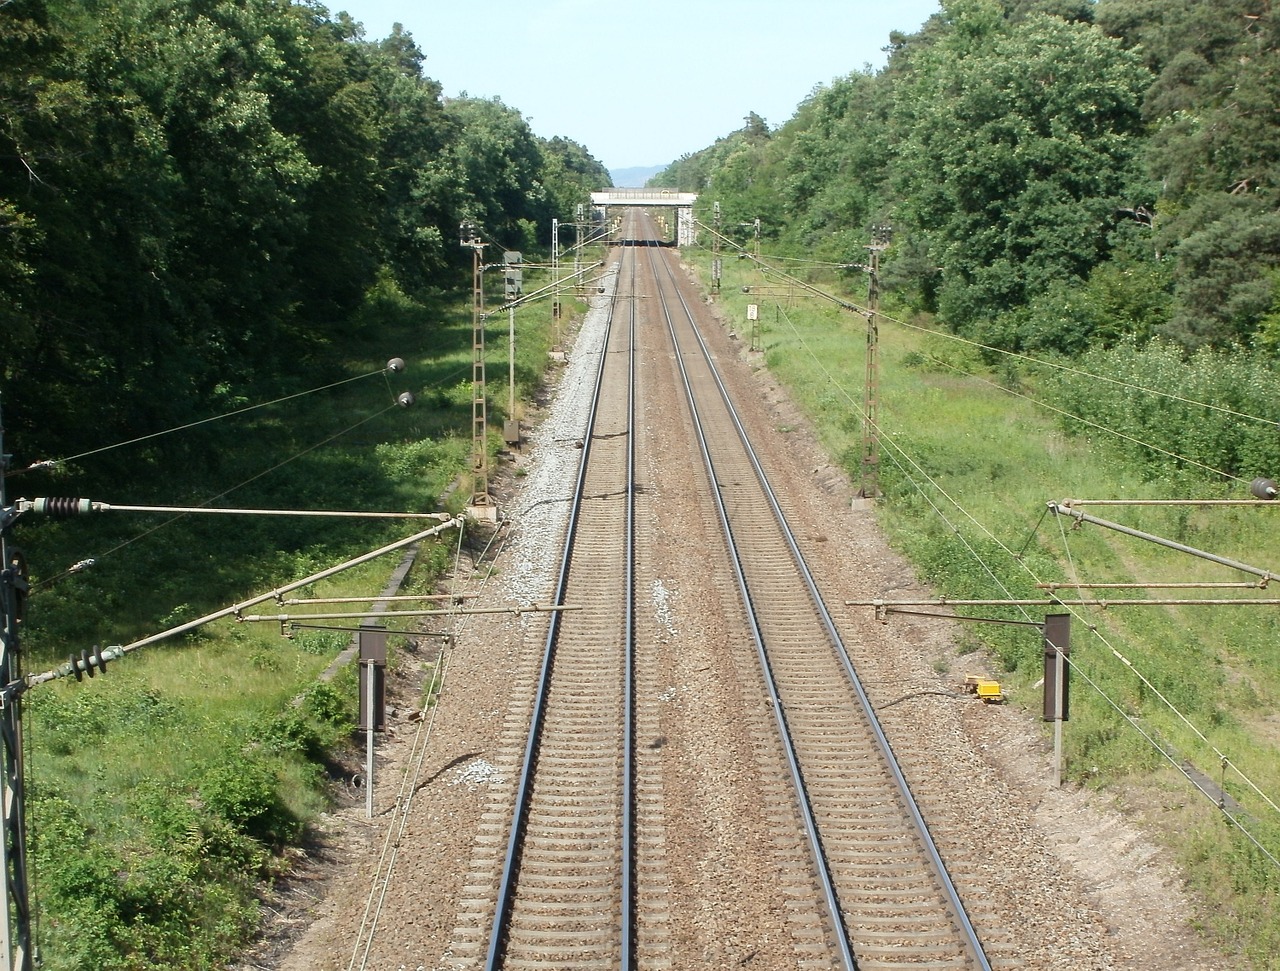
197	196
1060	176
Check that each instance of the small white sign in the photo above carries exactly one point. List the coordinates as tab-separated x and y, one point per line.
753	312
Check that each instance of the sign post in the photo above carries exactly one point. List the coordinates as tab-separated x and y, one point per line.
1057	696
373	699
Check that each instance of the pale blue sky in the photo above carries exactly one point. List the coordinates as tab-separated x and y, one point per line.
645	82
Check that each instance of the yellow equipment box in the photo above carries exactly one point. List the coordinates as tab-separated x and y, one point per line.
987	690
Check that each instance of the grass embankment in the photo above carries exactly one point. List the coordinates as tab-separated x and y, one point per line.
970	457
165	794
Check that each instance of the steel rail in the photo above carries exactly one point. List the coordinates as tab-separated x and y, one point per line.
972	941
629	888
507	891
810	825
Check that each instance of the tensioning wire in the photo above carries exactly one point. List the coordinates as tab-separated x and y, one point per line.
49	463
1223	759
887	439
1225	762
380	881
894	446
1180	767
1018	558
145	533
1088	422
1036	401
1127	385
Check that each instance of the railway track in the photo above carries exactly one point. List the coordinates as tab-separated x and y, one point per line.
582	877
567	886
889	897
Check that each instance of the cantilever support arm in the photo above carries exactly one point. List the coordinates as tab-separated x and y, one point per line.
1064	508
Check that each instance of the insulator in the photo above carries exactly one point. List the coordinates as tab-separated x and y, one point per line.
1263	488
395	364
61	507
89	662
406	399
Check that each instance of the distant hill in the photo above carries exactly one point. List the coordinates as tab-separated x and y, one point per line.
634	178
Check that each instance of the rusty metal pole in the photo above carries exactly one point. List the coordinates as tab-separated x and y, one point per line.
870	488
716	264
469	237
15	911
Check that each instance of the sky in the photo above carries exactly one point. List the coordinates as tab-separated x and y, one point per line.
645	82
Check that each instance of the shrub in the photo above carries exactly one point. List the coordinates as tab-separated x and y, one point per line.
244	793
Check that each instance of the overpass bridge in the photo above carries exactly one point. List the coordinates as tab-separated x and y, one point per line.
652	198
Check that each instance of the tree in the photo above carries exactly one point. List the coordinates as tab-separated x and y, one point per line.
498	165
1017	145
570	174
1215	150
197	197
1226	263
836	168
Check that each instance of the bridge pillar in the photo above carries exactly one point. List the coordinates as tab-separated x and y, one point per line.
686	235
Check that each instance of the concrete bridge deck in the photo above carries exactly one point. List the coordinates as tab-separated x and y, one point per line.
645	198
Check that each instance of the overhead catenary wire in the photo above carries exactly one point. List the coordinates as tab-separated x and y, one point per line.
1093	424
393	366
1092	629
1126	385
904	457
382	876
380	880
1128	664
1043	362
1224	760
279	465
854	307
1179	767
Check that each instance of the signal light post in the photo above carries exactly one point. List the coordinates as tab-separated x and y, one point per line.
1057	699
16	945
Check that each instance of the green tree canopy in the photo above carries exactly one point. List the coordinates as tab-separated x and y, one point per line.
1016	146
197	195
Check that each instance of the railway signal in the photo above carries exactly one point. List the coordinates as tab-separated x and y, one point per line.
373	699
1057	698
